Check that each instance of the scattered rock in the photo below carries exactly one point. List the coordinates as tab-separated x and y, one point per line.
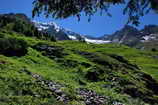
156	56
54	87
118	103
3	62
50	51
91	98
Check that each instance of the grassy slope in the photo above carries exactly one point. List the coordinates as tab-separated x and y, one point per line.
19	88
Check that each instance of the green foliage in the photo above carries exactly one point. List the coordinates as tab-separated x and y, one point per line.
21	24
13	47
153	49
66	8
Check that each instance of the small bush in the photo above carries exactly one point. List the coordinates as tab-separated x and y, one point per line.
13	47
95	74
153	49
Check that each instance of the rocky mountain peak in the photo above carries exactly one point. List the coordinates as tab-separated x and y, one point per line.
66	34
150	29
133	37
129	29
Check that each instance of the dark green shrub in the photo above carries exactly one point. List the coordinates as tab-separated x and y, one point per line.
22	24
13	47
95	74
153	49
1	35
50	51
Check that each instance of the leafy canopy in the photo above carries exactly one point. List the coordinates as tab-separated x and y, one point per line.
65	8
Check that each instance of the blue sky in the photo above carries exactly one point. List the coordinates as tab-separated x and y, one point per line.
98	26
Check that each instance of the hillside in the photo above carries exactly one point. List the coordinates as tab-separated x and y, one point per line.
20	23
35	70
75	73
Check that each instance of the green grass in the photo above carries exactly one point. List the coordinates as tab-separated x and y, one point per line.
18	88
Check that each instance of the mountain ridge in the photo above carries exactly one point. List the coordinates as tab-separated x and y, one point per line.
127	35
64	34
133	37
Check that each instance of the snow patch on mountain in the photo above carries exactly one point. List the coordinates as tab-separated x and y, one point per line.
44	25
66	34
148	37
72	37
97	41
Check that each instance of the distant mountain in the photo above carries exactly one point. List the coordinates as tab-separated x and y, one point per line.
64	34
146	38
53	29
128	35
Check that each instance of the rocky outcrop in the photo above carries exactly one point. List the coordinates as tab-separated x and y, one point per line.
50	51
54	87
92	98
89	97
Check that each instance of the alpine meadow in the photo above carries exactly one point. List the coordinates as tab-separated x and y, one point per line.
46	60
